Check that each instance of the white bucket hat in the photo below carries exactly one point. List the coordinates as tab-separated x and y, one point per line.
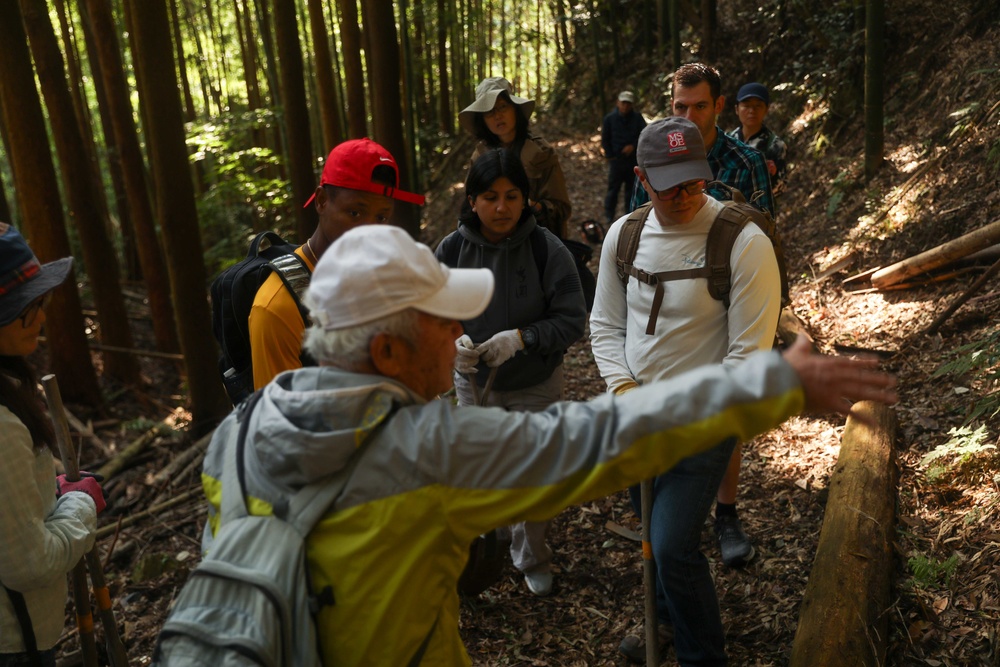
486	97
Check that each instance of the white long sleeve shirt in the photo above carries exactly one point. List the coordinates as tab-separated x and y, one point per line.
692	328
41	537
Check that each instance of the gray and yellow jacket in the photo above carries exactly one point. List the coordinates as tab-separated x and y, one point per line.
433	476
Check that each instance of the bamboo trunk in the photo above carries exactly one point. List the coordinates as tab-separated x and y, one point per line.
843	621
939	256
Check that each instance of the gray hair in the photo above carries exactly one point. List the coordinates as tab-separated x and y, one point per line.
349	348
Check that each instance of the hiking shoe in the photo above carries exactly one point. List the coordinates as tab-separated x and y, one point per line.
734	544
634	648
539	583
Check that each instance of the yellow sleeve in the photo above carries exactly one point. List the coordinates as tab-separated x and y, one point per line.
276	329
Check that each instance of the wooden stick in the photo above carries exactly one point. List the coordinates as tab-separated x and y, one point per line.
81	597
957	303
649	575
85	620
117	464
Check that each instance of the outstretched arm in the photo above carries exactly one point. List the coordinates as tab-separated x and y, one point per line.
834	383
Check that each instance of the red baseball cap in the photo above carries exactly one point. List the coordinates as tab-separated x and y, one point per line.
351	164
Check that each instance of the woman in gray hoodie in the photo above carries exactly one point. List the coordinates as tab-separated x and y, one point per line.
537	312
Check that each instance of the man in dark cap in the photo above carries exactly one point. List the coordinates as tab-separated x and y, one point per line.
752	104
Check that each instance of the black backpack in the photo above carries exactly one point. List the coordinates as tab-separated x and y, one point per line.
580	251
233	292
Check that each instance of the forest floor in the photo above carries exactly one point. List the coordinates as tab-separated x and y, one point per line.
948	615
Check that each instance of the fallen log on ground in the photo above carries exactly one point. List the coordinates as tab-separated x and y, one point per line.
843	620
939	256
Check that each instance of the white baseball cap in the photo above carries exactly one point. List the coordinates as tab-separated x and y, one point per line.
626	96
374	271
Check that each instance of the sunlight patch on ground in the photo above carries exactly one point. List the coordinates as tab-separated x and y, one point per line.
906	158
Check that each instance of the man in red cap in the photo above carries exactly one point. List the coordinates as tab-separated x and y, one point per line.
359	186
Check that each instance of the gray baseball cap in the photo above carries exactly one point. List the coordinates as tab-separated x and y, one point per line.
671	151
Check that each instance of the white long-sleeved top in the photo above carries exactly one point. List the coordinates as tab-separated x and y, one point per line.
41	537
692	328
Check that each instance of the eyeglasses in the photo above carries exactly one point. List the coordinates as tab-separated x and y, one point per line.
500	108
691	187
30	313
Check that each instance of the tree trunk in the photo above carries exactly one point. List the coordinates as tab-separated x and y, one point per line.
130	254
709	23
327	87
444	90
874	85
350	38
675	32
296	121
4	206
189	112
98	251
381	24
38	196
844	615
177	212
108	64
939	256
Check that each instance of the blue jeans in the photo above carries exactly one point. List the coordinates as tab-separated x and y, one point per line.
22	659
685	592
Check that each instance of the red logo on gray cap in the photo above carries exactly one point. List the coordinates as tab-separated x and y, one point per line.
677	146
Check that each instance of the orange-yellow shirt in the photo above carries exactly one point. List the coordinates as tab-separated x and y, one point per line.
276	329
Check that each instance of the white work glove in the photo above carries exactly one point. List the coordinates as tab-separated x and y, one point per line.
500	348
467	356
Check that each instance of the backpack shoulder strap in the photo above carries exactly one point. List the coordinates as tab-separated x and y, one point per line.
719	249
295	275
539	250
233	505
628	241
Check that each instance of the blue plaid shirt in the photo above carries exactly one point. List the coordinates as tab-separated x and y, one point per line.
734	163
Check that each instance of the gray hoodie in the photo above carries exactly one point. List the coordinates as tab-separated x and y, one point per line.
551	304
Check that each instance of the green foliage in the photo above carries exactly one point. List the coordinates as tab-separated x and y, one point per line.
243	191
983	358
929	573
965	444
963	119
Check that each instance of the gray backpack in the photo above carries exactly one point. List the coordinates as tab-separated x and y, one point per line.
249	601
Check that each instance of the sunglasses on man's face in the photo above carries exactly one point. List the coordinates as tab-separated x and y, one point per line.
691	187
30	313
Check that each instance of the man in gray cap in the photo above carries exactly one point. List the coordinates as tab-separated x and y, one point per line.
619	134
636	342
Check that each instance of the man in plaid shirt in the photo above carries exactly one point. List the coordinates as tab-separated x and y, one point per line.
697	93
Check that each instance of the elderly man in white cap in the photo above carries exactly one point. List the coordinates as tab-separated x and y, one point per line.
426	477
663	322
619	135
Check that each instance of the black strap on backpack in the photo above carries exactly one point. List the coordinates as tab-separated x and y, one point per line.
27	629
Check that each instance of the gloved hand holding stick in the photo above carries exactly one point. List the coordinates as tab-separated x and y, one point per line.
84	616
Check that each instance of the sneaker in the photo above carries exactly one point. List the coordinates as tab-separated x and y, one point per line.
734	544
539	583
634	648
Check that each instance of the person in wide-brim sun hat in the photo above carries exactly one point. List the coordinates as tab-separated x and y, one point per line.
499	119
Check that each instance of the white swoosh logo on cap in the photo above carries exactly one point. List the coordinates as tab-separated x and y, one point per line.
385	159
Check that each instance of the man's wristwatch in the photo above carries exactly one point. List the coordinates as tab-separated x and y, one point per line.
529	337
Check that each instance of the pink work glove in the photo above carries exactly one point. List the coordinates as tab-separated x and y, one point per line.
87	484
500	348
